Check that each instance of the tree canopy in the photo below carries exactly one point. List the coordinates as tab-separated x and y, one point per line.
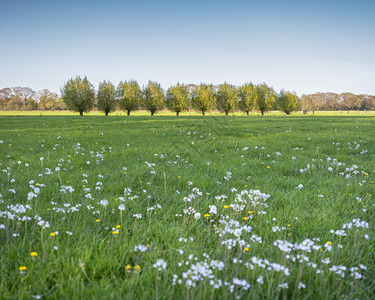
226	97
177	98
106	100
247	97
266	98
78	94
129	95
288	102
203	98
153	97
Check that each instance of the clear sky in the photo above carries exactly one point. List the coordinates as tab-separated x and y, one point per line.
305	46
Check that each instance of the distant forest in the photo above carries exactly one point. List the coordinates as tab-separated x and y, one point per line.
332	101
24	98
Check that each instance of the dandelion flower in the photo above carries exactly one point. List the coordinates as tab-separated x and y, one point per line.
137	267
237	232
213	209
121	207
197	216
206	215
22	269
34	254
128	267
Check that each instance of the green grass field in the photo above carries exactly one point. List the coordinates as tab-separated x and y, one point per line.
187	207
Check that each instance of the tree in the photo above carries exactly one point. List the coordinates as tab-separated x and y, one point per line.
153	97
177	98
33	104
60	105
5	96
46	99
266	97
247	97
129	95
203	98
22	95
78	95
226	98
288	102
106	100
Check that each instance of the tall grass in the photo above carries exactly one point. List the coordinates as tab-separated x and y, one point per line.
317	170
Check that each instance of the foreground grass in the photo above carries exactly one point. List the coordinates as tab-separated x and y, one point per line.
63	180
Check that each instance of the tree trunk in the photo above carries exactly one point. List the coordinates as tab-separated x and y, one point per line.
247	112
152	113
128	112
262	112
177	113
288	113
106	113
226	113
81	113
203	113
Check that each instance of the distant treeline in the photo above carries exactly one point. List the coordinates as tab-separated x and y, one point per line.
129	96
24	98
332	101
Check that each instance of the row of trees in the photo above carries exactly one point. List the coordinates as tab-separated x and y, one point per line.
332	101
129	96
79	95
24	98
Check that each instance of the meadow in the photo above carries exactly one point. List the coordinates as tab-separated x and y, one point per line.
189	207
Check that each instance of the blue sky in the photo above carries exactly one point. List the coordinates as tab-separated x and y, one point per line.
305	46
